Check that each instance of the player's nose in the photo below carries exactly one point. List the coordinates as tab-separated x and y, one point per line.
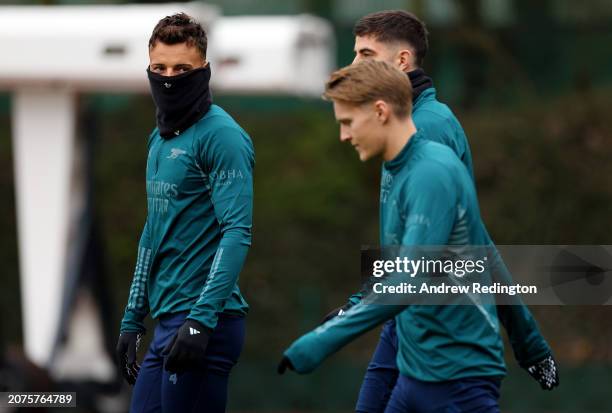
345	133
345	137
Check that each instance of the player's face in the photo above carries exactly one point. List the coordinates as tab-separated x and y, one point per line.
360	128
367	47
174	59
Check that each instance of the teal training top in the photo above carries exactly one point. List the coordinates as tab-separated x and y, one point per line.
427	198
198	228
438	123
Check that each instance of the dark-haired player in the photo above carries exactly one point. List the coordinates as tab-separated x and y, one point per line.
196	236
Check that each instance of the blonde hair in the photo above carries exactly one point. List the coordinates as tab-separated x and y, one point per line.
368	81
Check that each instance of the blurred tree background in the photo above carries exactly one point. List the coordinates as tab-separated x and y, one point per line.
531	83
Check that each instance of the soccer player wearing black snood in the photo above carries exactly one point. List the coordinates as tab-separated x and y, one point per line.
196	237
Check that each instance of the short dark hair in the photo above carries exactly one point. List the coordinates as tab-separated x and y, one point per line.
180	28
395	25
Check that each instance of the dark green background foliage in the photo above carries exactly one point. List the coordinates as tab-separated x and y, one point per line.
534	97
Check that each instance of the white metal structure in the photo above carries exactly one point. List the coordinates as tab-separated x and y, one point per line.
272	54
104	48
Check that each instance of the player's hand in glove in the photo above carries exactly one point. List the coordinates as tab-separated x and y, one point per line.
127	347
188	346
546	373
284	364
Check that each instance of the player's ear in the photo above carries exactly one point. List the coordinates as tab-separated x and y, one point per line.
404	60
382	111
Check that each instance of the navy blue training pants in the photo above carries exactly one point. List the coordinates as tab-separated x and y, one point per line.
384	390
382	373
200	390
467	395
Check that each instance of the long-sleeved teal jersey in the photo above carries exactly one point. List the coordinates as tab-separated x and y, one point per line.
199	188
427	198
438	123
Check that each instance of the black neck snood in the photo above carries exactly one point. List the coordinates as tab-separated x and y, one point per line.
420	81
181	100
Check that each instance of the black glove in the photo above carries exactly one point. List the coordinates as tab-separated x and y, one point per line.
284	364
335	312
187	348
127	347
546	373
